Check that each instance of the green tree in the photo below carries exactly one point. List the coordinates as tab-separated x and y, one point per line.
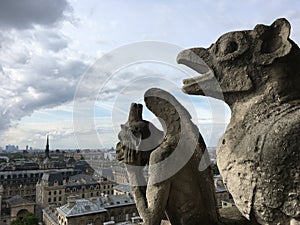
29	219
215	169
17	222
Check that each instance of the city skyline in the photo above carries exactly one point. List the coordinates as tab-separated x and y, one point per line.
44	56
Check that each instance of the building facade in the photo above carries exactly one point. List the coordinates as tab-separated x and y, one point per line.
23	183
222	194
15	207
53	189
96	211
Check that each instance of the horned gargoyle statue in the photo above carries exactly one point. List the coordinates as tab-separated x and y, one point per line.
258	73
176	188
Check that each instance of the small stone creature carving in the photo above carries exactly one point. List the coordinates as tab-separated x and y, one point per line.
259	156
176	189
137	137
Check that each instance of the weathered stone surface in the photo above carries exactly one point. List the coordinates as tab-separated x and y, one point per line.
232	216
176	188
228	216
258	73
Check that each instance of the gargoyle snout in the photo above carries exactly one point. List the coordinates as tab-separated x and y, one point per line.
195	58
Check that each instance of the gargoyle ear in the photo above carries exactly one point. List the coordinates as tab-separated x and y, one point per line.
135	113
139	112
132	112
272	41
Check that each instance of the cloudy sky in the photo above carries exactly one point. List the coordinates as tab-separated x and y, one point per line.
55	63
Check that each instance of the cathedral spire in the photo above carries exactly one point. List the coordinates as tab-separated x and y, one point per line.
47	154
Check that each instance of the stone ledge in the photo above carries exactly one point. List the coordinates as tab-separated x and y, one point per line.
229	216
232	216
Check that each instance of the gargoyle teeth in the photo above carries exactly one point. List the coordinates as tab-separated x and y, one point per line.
202	78
197	85
188	81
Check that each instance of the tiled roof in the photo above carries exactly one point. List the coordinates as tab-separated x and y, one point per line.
81	179
81	206
51	177
17	199
124	188
94	205
51	214
109	201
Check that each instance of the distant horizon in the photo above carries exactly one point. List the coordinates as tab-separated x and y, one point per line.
73	149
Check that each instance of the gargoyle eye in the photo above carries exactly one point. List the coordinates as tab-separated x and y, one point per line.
232	47
134	131
228	47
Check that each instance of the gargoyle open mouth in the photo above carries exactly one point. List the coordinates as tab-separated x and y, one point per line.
196	85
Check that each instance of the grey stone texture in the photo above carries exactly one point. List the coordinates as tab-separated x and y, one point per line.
257	73
177	189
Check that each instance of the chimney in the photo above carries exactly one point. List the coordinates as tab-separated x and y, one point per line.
71	200
94	200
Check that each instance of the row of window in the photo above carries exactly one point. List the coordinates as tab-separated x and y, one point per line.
19	192
36	176
18	182
108	186
55	192
74	189
15	176
54	199
92	194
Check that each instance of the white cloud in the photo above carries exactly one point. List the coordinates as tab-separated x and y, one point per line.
38	71
33	78
24	14
45	47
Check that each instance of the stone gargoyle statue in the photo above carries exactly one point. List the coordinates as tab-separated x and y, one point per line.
176	189
258	73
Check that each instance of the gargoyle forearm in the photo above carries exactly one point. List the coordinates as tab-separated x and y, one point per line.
138	185
150	200
157	197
